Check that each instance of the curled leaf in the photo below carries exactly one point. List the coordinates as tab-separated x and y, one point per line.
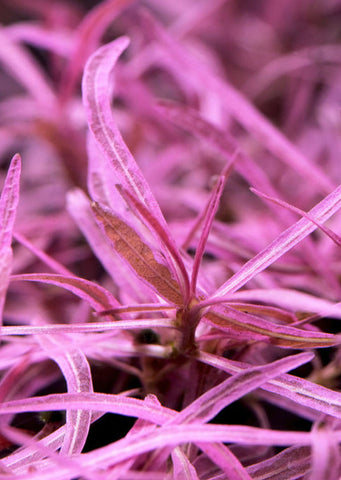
98	297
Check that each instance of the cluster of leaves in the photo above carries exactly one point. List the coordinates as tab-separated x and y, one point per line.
160	294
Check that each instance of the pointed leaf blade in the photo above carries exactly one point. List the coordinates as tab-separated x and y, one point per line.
139	255
9	202
282	244
98	297
8	208
282	335
97	102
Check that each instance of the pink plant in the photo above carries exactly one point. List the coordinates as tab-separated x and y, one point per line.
159	295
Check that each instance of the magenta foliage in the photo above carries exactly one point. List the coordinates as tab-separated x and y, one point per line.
170	260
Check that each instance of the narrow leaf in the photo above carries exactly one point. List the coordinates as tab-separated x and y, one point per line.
76	371
325	455
91	401
140	425
139	255
18	61
298	390
221	141
98	297
17	437
182	468
222	456
199	77
175	260
291	300
92	327
172	436
35	450
282	244
208	405
282	335
44	257
130	287
208	220
86	39
96	85
9	202
224	143
290	464
8	208
332	235
180	434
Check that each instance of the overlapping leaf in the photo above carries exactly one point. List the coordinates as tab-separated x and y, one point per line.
98	297
8	208
284	242
139	255
282	335
103	127
298	390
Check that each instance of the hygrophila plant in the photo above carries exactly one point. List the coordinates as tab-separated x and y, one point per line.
190	299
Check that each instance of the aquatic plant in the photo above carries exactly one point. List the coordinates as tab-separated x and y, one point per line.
170	256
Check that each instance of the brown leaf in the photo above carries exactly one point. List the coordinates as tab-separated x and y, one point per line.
288	337
139	255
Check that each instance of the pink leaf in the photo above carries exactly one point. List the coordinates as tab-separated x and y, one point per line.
283	243
76	371
212	208
26	70
208	405
89	401
199	78
49	261
92	327
224	458
129	285
182	468
325	455
336	238
180	434
9	202
285	336
8	208
289	464
298	390
98	297
97	103
86	39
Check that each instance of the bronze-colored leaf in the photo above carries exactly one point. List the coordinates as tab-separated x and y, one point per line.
288	337
138	254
